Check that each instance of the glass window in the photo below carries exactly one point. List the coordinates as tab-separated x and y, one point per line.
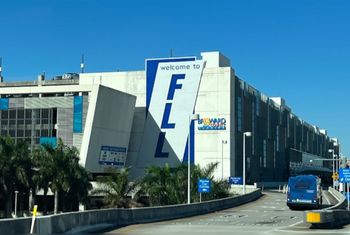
37	133
45	113
12	133
264	152
239	113
28	113
36	113
268	118
278	138
13	114
253	129
20	133
20	113
257	102
28	133
4	114
44	133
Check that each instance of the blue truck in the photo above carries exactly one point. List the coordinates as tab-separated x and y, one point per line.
304	192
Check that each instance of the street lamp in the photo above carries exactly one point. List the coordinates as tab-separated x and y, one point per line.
245	134
16	194
332	151
190	118
222	158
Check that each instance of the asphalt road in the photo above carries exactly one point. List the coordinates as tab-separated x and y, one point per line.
267	215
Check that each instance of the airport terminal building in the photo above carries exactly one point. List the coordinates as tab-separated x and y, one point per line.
143	118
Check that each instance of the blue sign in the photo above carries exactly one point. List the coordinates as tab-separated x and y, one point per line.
347	195
4	103
111	155
344	175
51	141
204	186
235	180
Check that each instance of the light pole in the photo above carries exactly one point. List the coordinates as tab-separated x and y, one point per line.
332	151
190	118
222	158
245	134
16	194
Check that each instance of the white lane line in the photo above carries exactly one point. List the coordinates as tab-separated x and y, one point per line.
296	223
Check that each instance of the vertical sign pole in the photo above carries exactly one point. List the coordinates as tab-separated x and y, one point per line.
189	163
347	195
200	197
33	219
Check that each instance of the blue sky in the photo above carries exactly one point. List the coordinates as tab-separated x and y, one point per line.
298	49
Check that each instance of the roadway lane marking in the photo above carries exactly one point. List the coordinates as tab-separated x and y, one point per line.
296	223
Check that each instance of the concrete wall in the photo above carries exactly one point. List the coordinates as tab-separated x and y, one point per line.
108	123
90	220
214	101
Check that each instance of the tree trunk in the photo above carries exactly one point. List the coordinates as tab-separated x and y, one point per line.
8	205
45	201
56	203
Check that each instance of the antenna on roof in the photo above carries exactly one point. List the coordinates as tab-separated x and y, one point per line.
82	65
171	52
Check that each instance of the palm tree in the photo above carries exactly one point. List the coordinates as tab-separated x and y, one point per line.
159	185
43	164
58	169
114	187
15	170
165	185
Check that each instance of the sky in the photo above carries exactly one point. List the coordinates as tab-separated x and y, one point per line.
295	49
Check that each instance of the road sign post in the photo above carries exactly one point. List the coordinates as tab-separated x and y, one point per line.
235	180
203	187
347	186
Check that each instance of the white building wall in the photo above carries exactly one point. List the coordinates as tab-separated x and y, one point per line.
108	123
214	100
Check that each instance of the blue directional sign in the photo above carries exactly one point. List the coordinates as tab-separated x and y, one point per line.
235	180
203	185
344	175
347	195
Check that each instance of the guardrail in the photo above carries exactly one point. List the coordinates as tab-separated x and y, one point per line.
101	219
334	216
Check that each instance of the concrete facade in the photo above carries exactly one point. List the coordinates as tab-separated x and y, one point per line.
118	106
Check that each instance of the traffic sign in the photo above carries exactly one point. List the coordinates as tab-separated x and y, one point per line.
335	176
344	175
204	186
235	180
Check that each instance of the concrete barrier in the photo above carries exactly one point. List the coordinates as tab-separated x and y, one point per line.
331	217
104	218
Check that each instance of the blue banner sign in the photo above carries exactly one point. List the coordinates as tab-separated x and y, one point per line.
344	175
347	195
4	103
204	186
235	180
51	141
111	155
